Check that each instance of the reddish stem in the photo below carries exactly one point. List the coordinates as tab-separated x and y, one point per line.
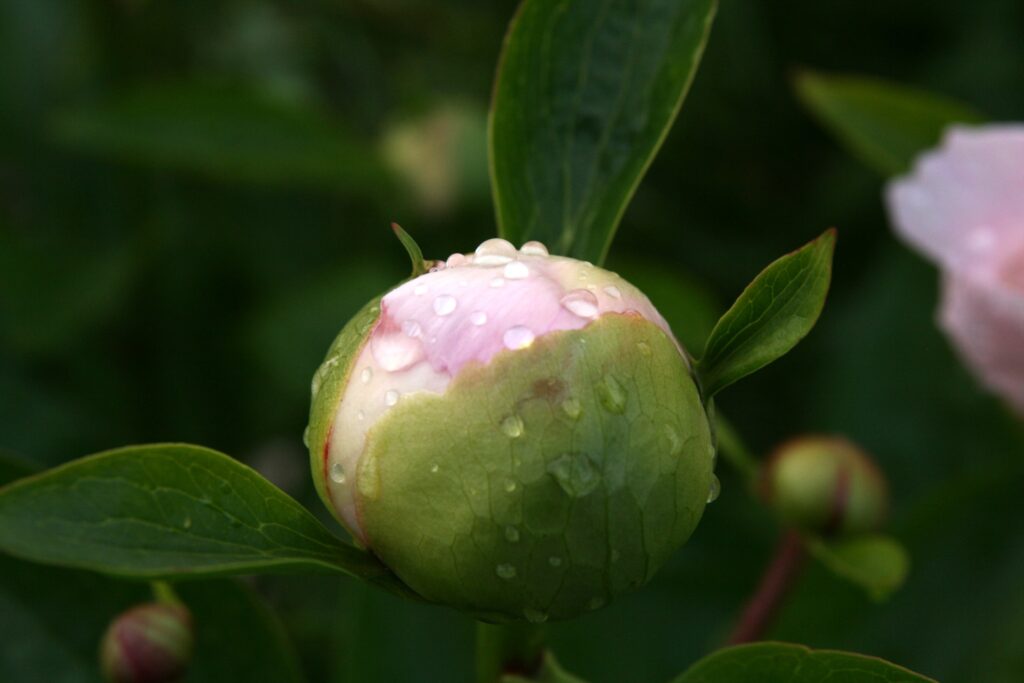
775	585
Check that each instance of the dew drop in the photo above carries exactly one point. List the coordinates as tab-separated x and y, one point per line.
445	304
575	473
613	292
435	468
675	443
715	490
187	524
366	375
644	348
494	252
510	486
456	260
505	571
360	416
582	303
534	248
572	408
393	352
612	395
555	561
535	616
512	426
517	270
368	480
518	337
391	397
511	534
419	290
411	328
478	318
305	436
338	473
498	282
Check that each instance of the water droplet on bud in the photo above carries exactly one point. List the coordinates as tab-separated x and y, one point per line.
555	561
391	397
187	524
511	534
644	348
575	473
572	408
338	473
419	290
534	248
535	616
505	571
715	489
393	352
305	436
498	282
612	395
518	337
435	468
517	270
512	426
478	318
494	252
366	375
581	303
613	292
411	328
510	486
596	603
456	260
445	304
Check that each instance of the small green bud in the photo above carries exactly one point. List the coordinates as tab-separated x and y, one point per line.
150	643
825	485
515	434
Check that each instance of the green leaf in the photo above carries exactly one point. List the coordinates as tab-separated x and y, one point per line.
550	672
786	663
225	132
879	564
419	266
14	466
53	620
884	124
585	95
170	510
772	314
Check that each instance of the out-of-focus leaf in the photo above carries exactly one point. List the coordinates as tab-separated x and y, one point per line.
224	132
786	663
53	620
53	294
884	124
772	314
878	564
170	510
550	672
585	94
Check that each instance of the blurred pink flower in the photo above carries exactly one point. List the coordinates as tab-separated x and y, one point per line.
962	206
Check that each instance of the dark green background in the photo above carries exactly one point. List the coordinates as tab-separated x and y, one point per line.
174	269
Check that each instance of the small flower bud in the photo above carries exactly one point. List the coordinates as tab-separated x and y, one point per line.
825	485
150	643
515	434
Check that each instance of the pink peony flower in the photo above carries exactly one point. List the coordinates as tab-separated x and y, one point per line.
963	207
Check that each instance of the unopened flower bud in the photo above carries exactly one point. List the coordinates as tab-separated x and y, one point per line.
515	434
150	643
825	485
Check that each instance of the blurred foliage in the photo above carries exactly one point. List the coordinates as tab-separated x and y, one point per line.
154	287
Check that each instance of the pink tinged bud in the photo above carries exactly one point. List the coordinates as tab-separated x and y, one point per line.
151	643
963	207
462	313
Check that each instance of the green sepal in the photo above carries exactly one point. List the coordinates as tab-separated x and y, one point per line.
419	266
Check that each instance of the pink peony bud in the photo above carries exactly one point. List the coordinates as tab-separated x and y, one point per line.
514	433
963	207
150	643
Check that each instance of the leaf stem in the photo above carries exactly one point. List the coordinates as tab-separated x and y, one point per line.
514	648
776	583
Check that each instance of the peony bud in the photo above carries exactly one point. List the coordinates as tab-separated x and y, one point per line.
963	207
150	643
825	485
515	434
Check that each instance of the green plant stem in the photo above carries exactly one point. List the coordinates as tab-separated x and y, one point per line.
779	577
516	648
732	448
164	593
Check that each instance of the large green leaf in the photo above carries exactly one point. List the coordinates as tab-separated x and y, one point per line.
772	314
586	91
879	564
223	131
170	510
884	124
785	663
53	620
